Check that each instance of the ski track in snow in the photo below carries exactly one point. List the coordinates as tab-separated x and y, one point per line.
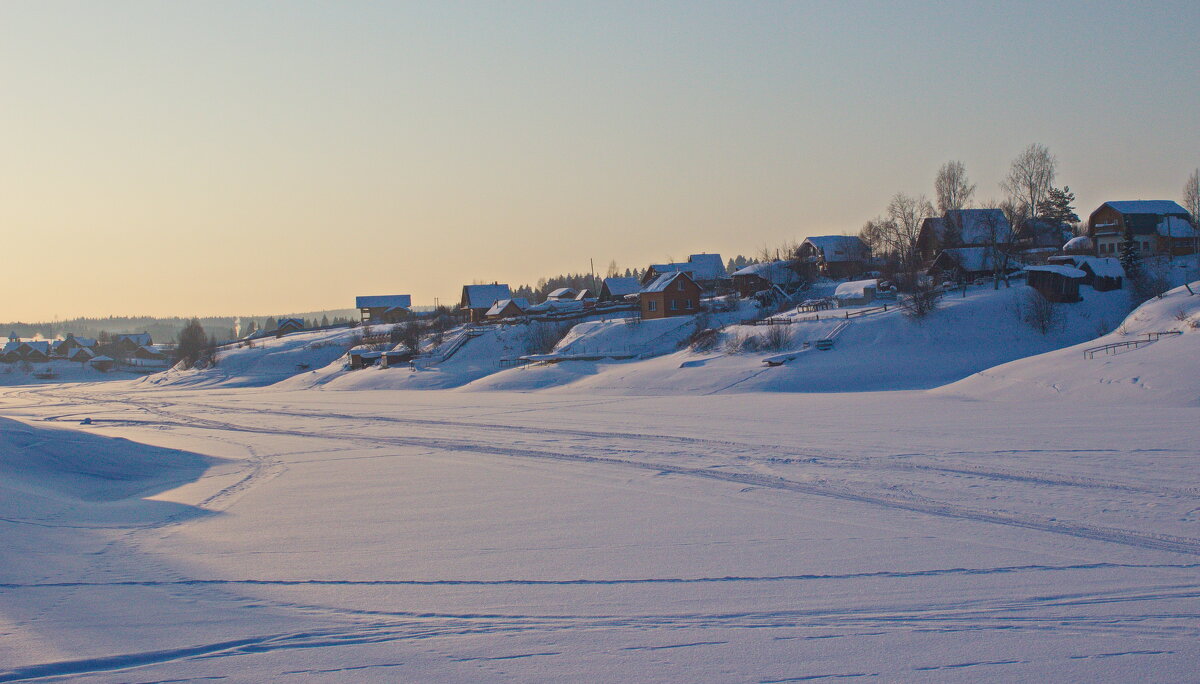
1145	540
363	627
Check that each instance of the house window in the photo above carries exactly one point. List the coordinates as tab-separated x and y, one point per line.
674	305
651	305
1145	245
687	303
680	288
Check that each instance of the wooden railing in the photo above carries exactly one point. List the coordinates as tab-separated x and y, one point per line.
1127	345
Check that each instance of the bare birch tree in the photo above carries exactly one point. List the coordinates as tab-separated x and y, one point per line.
952	188
1030	177
905	213
1191	197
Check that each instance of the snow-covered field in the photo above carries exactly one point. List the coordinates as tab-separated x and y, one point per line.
1039	520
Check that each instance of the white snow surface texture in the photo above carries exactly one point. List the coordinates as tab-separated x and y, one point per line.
1035	520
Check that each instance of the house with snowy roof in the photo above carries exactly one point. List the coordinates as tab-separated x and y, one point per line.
1056	282
125	344
383	308
617	289
1099	273
563	294
1156	227
671	294
964	264
766	275
706	270
289	325
832	256
963	228
478	299
507	308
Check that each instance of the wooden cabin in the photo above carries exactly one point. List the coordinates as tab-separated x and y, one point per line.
765	276
618	289
832	256
478	299
1099	273
962	228
289	325
507	308
671	294
383	308
1056	282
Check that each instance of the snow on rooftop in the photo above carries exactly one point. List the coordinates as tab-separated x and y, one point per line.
1147	207
661	283
708	267
377	301
483	296
520	302
835	248
1079	243
855	288
1066	271
619	287
1104	267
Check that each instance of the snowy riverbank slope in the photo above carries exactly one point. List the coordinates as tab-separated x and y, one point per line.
1132	370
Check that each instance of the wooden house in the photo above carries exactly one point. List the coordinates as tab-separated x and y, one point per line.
962	228
856	292
289	325
383	308
1157	228
65	346
767	275
671	294
563	294
400	356
478	299
618	289
706	270
125	344
1056	282
361	357
507	308
103	363
832	256
964	264
80	355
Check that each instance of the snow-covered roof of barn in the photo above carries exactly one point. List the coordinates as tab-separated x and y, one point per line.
970	258
1105	267
855	288
835	248
978	225
483	296
377	301
1066	271
619	287
562	293
777	272
1147	207
707	267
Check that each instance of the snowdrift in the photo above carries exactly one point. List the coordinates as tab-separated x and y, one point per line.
267	362
881	351
1162	372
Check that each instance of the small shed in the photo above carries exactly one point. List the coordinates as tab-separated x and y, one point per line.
103	363
361	357
856	292
400	356
1100	273
1056	282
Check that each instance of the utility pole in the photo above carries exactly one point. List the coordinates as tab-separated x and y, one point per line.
592	266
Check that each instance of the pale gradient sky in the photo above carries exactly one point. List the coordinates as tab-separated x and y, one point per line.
171	158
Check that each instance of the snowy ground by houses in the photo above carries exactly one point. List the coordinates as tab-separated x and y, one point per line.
1038	519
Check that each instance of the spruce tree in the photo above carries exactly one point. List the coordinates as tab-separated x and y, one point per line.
1057	206
1131	260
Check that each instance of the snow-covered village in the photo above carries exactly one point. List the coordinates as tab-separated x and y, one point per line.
419	343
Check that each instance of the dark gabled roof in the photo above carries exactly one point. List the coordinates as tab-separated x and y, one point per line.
483	296
838	248
619	287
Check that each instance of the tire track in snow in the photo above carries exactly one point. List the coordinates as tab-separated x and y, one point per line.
1145	540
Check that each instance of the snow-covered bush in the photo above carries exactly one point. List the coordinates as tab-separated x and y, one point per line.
542	336
1038	312
921	302
777	338
703	340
